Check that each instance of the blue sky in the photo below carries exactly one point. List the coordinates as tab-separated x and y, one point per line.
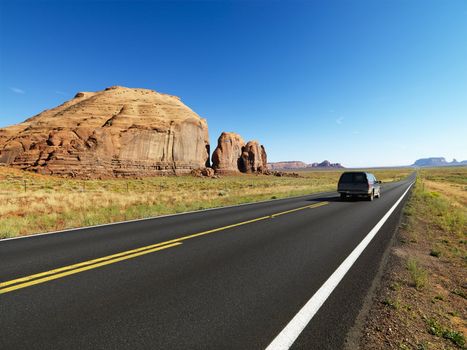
365	83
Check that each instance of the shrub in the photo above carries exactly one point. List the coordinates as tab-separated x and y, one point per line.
418	275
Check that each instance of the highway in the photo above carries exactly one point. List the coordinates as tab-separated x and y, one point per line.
290	273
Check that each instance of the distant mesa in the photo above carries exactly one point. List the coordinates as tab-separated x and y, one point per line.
232	155
288	165
115	132
437	161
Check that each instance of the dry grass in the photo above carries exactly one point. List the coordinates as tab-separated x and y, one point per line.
456	192
423	303
31	203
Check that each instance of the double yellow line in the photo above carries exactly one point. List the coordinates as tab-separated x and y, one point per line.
50	275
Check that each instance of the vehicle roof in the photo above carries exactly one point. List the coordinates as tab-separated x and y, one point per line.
356	172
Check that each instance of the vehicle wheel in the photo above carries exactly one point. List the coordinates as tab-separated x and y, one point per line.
371	196
343	196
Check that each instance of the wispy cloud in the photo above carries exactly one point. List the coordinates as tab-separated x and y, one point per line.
17	90
58	92
339	120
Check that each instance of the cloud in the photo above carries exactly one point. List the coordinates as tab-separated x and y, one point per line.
339	120
58	92
17	90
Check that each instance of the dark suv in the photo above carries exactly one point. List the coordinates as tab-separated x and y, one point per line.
358	183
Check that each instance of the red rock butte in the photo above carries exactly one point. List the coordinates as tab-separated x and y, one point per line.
115	132
232	155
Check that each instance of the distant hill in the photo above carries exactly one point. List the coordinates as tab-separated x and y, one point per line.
437	161
295	164
325	164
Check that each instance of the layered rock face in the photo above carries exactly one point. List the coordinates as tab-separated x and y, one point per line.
232	155
115	132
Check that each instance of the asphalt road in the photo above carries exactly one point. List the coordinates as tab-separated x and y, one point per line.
230	278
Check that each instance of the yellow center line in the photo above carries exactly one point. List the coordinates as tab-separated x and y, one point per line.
67	273
110	259
74	266
114	256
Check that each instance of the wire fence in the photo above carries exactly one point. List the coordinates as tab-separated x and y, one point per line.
29	185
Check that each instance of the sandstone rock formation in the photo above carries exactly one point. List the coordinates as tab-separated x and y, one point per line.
253	159
115	132
233	155
226	156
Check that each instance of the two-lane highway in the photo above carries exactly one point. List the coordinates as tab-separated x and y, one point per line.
230	278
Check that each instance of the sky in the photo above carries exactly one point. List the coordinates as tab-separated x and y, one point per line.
363	83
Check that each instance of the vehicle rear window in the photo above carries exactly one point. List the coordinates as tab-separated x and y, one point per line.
353	178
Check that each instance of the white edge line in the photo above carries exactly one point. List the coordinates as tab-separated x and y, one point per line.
162	216
290	333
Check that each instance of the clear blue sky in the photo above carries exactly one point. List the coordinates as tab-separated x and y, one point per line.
365	83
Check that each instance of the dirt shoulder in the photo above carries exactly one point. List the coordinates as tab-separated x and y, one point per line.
421	302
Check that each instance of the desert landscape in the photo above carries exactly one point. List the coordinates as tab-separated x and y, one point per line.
125	154
233	175
122	154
